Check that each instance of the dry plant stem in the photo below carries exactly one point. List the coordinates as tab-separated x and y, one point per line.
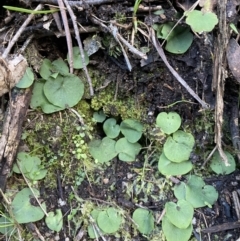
77	3
236	204
25	44
74	21
19	32
125	42
158	47
67	33
209	157
219	74
57	19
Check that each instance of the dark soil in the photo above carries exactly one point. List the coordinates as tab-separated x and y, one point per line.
154	88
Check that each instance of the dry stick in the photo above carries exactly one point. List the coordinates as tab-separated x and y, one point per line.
78	3
158	47
74	20
125	42
19	32
67	33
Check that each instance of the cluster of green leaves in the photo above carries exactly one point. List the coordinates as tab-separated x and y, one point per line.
126	147
22	208
109	221
174	159
58	89
177	222
179	38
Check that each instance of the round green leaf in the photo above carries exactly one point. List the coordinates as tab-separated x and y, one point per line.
179	40
60	66
179	214
173	233
30	166
23	210
144	220
131	129
168	122
200	21
127	150
109	220
77	58
176	152
91	233
99	116
46	69
168	168
184	138
27	79
103	150
110	128
219	167
39	100
64	91
54	221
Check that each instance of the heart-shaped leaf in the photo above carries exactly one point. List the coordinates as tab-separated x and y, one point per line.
77	58
23	210
60	66
127	150
39	99
168	122
196	192
168	168
64	91
109	220
219	167
173	233
27	79
110	128
179	214
144	219
201	21
103	150
179	147
131	129
54	221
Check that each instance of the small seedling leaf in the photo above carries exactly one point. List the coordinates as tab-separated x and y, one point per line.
144	220
30	166
219	167
131	129
179	40
109	220
60	66
103	150
173	233
200	21
64	91
99	116
196	192
77	58
23	210
127	150
110	128
39	99
27	79
46	69
168	168
54	221
168	122
179	214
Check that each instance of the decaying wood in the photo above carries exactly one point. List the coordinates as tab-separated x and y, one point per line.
219	75
12	130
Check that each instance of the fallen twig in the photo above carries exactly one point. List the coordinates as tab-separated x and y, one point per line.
67	33
19	32
158	47
73	17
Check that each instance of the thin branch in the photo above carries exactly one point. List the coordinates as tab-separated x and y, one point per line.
19	32
67	33
158	47
74	20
